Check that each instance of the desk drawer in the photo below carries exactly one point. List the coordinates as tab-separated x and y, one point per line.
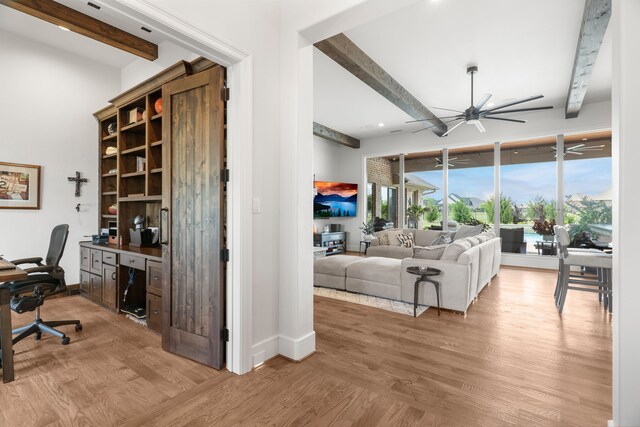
85	283
110	258
154	278
137	262
85	259
96	261
154	313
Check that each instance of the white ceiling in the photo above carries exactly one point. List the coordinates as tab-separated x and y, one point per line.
40	31
521	48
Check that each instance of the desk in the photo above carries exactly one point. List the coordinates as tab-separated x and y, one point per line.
5	322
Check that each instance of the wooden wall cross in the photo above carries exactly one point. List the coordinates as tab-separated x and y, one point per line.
78	181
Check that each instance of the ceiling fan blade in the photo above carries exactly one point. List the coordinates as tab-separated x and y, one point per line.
445	109
483	101
503	119
432	126
509	104
517	110
574	152
575	147
451	130
480	127
423	120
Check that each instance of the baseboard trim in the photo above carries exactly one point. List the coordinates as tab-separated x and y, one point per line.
264	350
297	349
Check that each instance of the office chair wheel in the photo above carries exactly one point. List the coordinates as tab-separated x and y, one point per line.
38	336
78	328
66	340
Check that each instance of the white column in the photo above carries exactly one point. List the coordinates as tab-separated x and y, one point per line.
445	189
625	24
496	189
401	199
560	179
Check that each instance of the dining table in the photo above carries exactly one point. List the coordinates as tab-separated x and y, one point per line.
6	343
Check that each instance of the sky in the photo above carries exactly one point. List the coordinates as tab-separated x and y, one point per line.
339	188
524	182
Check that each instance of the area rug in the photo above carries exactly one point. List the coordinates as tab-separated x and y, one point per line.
377	302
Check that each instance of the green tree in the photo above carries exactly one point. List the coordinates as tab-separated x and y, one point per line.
536	208
433	211
461	212
506	209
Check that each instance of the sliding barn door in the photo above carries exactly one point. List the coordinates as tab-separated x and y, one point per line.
192	217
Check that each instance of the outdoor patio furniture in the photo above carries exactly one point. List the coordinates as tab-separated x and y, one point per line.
513	240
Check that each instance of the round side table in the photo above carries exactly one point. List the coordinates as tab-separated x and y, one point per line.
424	275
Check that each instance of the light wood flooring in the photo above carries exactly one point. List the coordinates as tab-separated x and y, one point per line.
511	361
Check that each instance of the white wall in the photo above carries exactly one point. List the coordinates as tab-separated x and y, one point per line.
626	154
47	103
141	69
543	123
328	165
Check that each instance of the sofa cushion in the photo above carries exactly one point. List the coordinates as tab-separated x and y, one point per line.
387	251
406	240
453	251
483	237
467	231
429	252
426	237
474	240
393	237
334	265
375	269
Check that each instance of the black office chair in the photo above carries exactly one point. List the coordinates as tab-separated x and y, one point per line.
43	281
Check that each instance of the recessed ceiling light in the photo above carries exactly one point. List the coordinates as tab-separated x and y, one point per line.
515	152
585	139
380	124
63	28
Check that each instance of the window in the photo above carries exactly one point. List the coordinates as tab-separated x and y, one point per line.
470	186
423	180
528	196
370	201
382	178
588	189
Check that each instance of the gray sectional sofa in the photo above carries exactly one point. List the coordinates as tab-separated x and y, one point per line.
461	279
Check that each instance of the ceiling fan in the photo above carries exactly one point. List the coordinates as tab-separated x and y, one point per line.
579	149
474	113
453	161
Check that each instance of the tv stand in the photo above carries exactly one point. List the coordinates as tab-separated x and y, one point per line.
336	242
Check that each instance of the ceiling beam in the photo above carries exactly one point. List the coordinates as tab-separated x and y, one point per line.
78	22
342	50
335	136
594	24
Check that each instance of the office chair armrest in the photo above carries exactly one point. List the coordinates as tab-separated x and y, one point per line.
24	288
34	260
40	269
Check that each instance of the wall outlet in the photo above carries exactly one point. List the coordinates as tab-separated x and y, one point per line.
256	205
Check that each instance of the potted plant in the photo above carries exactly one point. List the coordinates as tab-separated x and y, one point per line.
544	228
367	231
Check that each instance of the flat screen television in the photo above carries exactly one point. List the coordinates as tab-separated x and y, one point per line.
335	200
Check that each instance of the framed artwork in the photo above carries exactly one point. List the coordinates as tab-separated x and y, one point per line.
19	186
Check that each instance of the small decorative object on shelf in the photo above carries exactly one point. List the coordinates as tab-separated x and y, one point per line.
113	170
158	106
113	209
135	115
111	150
140	162
112	128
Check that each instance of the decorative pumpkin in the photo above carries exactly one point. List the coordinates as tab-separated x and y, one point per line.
113	209
158	106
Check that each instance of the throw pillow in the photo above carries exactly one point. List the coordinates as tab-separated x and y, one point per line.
491	235
442	240
429	252
453	251
482	237
383	237
474	240
468	231
393	237
406	240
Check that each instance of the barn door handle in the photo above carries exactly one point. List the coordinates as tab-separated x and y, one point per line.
162	220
